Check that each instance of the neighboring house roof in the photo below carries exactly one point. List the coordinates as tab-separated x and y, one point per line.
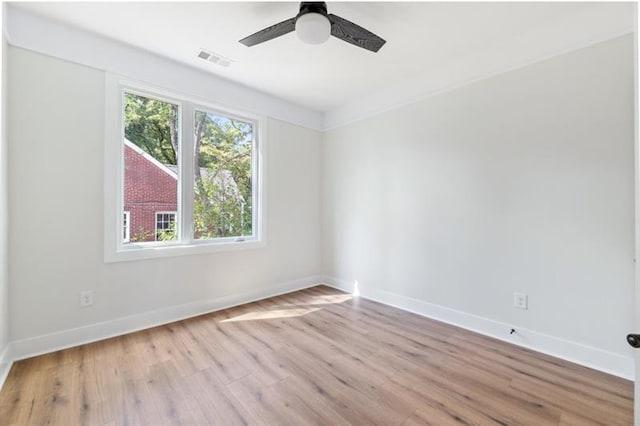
223	179
150	158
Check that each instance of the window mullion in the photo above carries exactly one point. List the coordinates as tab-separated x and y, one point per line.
185	215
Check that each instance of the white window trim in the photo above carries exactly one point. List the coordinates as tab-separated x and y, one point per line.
127	230
114	248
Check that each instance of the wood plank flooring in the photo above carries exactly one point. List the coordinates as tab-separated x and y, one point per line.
317	357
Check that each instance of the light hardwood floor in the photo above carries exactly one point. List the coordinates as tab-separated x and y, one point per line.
315	356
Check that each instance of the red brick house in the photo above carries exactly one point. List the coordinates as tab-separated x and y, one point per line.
150	195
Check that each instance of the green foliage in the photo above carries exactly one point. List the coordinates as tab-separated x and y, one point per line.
219	212
223	186
150	123
168	234
140	235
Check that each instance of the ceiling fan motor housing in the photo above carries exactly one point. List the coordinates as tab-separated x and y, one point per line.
312	7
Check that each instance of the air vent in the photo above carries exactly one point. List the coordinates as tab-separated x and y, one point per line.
204	55
215	58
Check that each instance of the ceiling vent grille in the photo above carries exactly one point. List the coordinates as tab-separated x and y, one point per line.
215	58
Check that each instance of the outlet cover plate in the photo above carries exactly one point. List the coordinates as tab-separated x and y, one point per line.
86	298
520	300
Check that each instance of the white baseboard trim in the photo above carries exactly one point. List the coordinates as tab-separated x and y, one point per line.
47	343
608	362
5	365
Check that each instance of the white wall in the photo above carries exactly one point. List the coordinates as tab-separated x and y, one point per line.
521	182
56	198
4	284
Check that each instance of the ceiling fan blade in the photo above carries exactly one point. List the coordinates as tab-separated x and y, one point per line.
270	33
354	34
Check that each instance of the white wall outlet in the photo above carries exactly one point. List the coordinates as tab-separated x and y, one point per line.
86	298
520	300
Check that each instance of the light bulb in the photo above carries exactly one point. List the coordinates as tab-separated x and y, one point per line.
313	28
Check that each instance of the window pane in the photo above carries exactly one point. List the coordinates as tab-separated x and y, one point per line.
165	226
223	181
150	167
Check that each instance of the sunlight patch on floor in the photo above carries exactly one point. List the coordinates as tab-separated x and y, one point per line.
328	299
274	314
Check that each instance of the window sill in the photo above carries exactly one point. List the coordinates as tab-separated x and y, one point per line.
139	252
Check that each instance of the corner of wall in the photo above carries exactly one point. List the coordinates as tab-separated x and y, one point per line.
5	363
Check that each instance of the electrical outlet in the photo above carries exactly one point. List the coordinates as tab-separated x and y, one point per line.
520	300
86	298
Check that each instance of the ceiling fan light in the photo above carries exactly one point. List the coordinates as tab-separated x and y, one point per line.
313	28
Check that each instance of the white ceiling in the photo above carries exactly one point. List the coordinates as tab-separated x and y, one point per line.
435	45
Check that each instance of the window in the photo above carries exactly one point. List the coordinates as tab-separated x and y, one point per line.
150	150
222	184
182	176
126	229
165	226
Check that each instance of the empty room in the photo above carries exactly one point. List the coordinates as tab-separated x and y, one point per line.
341	213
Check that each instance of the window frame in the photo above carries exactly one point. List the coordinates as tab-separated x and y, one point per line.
255	219
126	216
115	249
175	220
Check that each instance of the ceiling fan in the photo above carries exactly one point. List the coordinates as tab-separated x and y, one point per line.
314	25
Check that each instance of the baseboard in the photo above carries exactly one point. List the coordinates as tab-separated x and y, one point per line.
608	362
598	359
5	365
47	343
